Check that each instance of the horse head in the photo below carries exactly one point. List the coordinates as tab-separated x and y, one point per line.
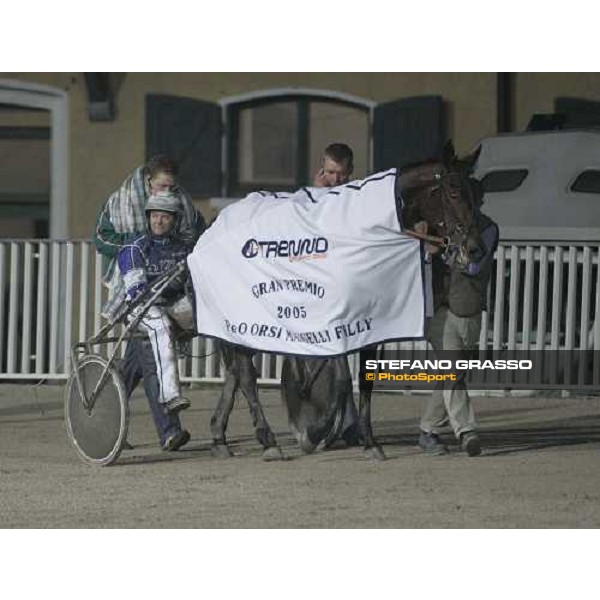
445	195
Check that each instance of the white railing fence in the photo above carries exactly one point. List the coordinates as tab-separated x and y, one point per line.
541	296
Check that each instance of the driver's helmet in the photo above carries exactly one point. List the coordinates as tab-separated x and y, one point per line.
165	202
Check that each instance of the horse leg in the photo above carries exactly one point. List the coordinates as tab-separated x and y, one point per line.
248	385
220	416
350	429
324	386
365	387
314	391
293	397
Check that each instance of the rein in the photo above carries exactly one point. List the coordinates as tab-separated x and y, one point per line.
438	241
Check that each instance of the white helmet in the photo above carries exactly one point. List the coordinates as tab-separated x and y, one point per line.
165	202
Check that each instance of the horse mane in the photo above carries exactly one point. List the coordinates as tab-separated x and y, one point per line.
420	174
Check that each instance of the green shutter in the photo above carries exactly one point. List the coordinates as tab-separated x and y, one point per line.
408	130
189	131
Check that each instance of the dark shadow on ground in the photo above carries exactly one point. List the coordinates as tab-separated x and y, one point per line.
508	440
130	457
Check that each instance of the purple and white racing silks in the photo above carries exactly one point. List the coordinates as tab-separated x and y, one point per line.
140	263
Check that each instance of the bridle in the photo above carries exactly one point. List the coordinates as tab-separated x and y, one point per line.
446	183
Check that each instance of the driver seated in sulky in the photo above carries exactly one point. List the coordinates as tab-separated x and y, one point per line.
141	262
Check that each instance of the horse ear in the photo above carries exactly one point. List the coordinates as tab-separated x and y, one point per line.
471	159
449	154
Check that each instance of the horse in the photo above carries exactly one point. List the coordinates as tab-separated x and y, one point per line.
440	193
314	391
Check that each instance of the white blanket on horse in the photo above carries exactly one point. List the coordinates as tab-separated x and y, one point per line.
316	273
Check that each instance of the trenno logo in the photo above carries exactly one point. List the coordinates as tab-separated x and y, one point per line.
292	249
250	248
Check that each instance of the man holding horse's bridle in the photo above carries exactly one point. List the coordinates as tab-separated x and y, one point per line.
459	293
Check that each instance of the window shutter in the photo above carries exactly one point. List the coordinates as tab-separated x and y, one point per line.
578	112
408	130
190	132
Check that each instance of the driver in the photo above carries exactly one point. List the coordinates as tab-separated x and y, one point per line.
143	261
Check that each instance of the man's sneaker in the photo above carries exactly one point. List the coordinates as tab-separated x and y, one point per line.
470	443
174	405
176	440
431	444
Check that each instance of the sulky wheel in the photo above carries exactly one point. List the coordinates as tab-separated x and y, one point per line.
96	416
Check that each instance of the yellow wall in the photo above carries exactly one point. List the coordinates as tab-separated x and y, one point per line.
102	153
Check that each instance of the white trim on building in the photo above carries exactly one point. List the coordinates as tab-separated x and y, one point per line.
56	101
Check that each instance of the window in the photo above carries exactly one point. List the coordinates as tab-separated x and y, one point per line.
276	142
268	145
24	172
506	180
587	182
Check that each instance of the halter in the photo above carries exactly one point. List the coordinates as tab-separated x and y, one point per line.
443	180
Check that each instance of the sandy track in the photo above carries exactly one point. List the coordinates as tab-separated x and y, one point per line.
539	469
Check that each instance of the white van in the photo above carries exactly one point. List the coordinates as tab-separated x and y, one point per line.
542	186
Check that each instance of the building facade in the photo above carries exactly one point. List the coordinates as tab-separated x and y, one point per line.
68	139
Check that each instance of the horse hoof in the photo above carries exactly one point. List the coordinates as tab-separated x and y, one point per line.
220	451
273	453
374	453
305	444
